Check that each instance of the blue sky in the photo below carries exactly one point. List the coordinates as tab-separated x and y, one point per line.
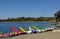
28	8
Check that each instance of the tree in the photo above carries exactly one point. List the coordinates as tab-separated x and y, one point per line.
8	18
57	15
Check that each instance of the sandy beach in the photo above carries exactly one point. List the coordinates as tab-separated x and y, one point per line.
45	35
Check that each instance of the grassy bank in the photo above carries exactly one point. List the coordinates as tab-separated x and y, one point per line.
56	23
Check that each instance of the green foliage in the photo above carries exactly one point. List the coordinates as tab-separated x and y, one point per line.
28	19
57	16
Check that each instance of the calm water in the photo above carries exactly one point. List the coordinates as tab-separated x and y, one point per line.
5	26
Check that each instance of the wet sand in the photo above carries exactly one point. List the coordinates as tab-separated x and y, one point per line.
45	35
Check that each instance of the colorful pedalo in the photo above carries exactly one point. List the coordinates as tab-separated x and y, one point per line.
15	32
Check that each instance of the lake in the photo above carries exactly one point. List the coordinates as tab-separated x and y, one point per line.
5	26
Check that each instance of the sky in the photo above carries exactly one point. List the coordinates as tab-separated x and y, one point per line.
28	8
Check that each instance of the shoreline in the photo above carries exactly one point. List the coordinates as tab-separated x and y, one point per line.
27	21
45	35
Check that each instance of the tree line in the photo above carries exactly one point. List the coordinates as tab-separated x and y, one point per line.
56	17
28	19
